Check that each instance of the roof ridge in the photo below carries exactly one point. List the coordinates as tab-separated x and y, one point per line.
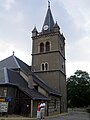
43	82
5	58
16	61
6	75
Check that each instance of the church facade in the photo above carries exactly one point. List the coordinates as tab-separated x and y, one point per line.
23	86
48	56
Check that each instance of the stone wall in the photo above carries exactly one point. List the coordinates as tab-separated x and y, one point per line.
54	105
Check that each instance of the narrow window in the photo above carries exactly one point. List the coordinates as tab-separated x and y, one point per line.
47	46
41	47
42	66
46	66
63	65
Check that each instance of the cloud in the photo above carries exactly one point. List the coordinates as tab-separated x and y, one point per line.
72	16
87	26
79	11
78	35
80	65
23	56
8	49
8	4
79	51
18	18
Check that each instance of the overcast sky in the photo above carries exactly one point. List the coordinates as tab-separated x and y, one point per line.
18	18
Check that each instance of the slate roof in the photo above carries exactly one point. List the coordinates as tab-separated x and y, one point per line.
13	63
9	62
13	78
45	86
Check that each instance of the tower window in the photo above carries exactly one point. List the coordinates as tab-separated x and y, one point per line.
41	47
47	46
44	66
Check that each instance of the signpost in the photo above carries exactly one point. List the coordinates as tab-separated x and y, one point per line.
4	102
3	107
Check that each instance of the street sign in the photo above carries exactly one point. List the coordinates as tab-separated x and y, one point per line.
3	107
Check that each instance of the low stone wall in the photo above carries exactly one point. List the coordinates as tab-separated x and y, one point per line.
77	109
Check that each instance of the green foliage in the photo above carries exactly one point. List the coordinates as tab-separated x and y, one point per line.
78	89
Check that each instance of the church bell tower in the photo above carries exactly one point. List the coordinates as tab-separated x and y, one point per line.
48	55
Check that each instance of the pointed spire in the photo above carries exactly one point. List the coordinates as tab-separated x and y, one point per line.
48	22
56	27
34	32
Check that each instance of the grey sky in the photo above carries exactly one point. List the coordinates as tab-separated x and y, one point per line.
18	17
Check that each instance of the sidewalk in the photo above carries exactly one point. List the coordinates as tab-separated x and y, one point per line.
13	117
71	115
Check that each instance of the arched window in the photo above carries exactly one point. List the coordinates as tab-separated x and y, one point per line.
47	46
44	66
41	47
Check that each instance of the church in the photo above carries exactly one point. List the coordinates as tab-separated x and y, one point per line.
23	86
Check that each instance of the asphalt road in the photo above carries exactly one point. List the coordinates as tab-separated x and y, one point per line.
73	115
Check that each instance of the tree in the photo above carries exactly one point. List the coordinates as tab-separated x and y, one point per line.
78	89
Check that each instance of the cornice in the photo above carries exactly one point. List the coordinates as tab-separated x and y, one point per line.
48	53
40	35
54	70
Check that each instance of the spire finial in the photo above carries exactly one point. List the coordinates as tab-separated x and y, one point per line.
13	52
48	4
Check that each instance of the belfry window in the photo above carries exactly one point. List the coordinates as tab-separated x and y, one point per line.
41	47
47	46
44	66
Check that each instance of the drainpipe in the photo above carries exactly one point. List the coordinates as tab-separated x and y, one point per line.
31	108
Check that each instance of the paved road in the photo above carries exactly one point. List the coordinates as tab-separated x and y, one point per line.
73	115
